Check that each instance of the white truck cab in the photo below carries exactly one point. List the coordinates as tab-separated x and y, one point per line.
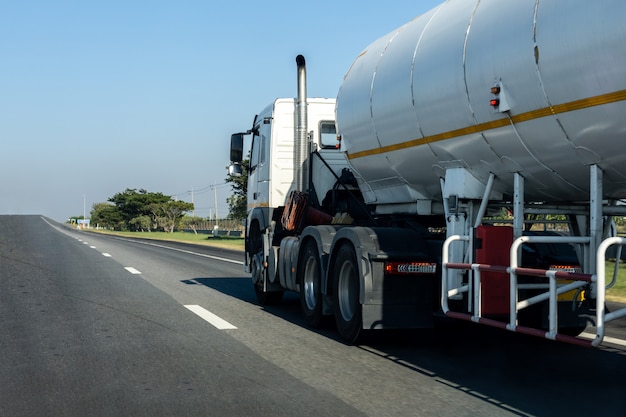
271	174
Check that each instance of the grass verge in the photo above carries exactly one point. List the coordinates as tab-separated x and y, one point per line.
234	243
617	293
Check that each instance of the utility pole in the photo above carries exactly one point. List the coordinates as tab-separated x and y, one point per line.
193	213
215	198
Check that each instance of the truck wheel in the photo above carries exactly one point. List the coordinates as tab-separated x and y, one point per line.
259	272
309	279
348	309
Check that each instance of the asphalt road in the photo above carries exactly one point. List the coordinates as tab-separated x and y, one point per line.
103	326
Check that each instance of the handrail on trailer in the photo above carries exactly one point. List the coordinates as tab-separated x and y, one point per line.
603	318
554	289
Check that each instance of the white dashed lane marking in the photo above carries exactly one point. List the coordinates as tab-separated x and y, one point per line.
216	321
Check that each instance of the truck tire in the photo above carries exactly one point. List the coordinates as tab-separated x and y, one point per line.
310	281
347	307
259	272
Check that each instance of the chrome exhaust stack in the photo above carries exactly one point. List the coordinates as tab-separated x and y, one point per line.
301	131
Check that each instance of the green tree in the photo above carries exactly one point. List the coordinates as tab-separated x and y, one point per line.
106	215
132	203
155	215
142	223
169	213
238	202
192	222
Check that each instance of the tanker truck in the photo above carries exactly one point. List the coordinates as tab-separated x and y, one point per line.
470	167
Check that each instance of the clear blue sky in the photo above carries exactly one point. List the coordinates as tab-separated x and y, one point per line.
97	97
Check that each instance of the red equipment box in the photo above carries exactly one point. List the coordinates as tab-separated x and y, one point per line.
492	246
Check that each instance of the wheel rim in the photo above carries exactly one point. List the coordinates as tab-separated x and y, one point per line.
257	270
257	257
311	271
347	296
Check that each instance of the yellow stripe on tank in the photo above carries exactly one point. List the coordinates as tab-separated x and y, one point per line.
495	124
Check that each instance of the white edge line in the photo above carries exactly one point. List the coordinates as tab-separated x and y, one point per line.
216	321
218	258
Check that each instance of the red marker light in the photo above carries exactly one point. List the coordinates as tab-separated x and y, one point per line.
494	102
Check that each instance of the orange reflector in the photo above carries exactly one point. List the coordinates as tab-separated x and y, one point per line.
410	268
495	89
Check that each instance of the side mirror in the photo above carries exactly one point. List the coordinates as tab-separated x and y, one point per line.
235	170
236	149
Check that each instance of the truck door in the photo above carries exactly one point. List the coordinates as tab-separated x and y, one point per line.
258	176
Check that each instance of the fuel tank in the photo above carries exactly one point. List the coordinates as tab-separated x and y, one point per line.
491	86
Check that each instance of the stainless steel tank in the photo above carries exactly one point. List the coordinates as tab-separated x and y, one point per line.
417	102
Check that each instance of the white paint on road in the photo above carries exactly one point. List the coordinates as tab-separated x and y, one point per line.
605	339
217	258
108	255
216	321
132	270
